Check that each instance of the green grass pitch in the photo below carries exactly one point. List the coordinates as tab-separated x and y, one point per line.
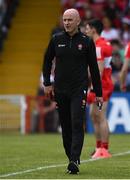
19	153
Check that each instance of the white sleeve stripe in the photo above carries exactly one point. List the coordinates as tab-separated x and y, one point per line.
98	52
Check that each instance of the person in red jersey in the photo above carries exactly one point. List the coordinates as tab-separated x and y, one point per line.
104	55
124	69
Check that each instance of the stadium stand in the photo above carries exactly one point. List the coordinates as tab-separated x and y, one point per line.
7	11
23	49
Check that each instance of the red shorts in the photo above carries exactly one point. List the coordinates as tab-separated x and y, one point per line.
107	87
106	95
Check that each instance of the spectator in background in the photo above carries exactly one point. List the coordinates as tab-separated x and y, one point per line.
82	27
66	4
7	11
11	9
111	10
124	70
44	113
117	62
116	67
88	15
109	32
81	6
98	8
117	47
3	8
122	4
125	30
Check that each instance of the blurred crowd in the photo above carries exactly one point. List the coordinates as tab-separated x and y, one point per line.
7	11
115	15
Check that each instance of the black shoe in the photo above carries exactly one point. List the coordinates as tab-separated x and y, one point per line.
78	161
73	168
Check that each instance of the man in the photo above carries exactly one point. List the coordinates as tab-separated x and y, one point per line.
104	53
74	52
124	70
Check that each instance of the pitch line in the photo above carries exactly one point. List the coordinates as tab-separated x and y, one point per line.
57	165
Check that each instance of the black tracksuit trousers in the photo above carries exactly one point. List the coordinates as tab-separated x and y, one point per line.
71	114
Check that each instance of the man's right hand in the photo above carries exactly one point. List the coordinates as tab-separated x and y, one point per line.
99	102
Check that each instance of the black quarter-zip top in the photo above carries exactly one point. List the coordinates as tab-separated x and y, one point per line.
70	42
73	56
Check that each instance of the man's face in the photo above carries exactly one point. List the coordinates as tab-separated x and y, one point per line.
89	31
70	22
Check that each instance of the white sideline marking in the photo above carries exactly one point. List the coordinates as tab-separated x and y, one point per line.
55	166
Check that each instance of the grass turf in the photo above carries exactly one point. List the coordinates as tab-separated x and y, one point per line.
19	153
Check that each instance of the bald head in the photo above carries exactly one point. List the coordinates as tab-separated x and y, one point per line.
72	12
71	20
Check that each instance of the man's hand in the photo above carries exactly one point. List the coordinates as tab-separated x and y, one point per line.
49	92
99	102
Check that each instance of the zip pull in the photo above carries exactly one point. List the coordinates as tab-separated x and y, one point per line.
70	42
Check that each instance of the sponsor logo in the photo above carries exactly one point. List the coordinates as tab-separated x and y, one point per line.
61	45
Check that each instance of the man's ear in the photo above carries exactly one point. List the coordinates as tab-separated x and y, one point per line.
78	23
